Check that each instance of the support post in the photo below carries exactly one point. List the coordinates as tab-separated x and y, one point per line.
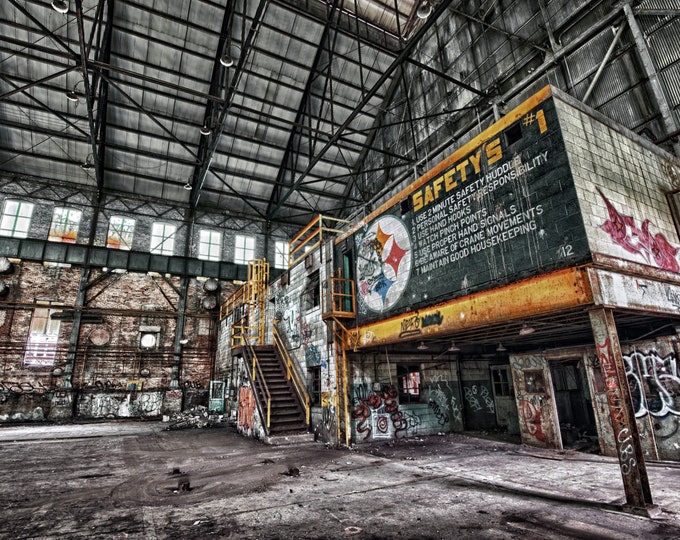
626	435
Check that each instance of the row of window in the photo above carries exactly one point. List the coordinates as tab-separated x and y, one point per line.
16	221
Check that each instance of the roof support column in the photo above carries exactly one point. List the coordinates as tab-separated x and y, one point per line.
650	70
626	435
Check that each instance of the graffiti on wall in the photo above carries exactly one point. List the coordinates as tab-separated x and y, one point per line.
124	405
531	416
653	248
377	412
479	398
654	383
23	387
288	311
443	404
327	428
312	356
246	408
627	460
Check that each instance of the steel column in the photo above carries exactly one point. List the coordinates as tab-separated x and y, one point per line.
650	70
626	435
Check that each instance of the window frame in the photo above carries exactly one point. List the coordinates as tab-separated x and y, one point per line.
68	235
158	243
410	383
16	218
41	343
209	255
123	243
243	254
281	255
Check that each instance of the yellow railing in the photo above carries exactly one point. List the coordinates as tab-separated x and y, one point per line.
292	374
340	300
257	381
311	237
247	302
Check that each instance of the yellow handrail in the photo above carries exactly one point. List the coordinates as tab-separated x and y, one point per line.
257	379
293	375
311	237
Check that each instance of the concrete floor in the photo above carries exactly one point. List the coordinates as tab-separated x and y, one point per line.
122	480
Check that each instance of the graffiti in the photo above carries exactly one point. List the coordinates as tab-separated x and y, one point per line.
456	412
327	428
410	326
246	408
16	387
441	416
653	248
527	362
312	356
471	398
306	333
107	385
530	415
193	384
654	383
289	312
432	319
616	407
382	401
150	404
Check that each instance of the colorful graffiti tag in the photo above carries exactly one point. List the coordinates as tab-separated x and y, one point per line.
377	412
653	248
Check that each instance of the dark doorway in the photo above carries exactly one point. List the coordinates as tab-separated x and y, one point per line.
574	408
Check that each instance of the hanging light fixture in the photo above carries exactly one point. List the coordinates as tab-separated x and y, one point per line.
205	130
87	165
226	60
422	346
526	330
72	95
60	6
424	10
500	348
453	347
187	186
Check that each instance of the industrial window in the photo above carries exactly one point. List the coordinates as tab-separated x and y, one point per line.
210	245
281	255
501	381
121	231
16	218
65	224
163	238
41	346
244	250
312	298
315	384
408	378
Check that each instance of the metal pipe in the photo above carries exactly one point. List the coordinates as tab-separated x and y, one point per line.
600	69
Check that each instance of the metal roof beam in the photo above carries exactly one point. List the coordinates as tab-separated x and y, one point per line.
399	60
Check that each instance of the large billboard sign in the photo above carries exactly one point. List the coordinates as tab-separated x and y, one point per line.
501	208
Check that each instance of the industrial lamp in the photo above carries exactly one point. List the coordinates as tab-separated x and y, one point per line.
60	6
500	348
422	346
526	330
226	60
87	165
453	347
205	130
424	10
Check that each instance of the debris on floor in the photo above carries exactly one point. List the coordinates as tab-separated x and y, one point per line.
196	417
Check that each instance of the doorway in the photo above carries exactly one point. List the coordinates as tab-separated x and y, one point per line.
574	405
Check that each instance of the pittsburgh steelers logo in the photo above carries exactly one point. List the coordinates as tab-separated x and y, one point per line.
384	263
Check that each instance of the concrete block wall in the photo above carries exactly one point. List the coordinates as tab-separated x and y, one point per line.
631	173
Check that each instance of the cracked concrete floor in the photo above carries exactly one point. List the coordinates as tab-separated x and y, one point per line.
135	480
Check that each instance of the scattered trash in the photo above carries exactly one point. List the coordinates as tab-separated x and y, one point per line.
352	530
293	471
196	417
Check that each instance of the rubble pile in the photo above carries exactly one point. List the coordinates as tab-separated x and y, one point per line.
196	417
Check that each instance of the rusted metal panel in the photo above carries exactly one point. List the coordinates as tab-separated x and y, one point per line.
623	291
605	433
621	411
553	292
